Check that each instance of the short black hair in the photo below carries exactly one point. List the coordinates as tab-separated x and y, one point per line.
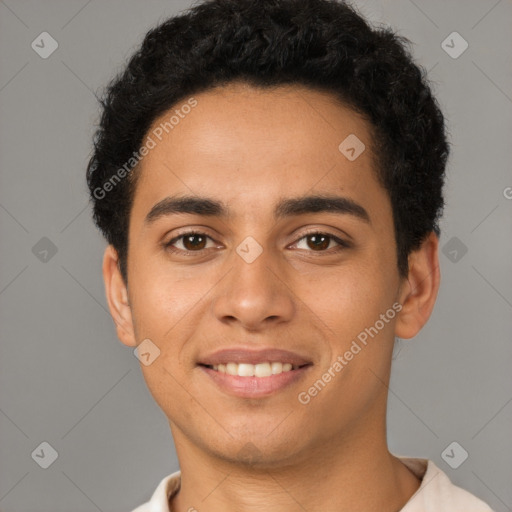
322	44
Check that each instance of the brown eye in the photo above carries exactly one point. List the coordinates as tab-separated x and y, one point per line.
318	242
191	242
188	242
321	242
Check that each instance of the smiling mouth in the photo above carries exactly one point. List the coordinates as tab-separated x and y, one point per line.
264	369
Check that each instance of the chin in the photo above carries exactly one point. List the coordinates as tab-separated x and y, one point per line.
258	452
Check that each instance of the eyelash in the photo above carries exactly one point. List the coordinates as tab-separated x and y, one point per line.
342	244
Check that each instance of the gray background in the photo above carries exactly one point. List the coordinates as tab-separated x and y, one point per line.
64	377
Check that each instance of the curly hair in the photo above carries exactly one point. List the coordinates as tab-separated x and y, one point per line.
322	44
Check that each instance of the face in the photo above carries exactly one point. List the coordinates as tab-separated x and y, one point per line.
268	279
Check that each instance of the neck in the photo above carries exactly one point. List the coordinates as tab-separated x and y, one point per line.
351	473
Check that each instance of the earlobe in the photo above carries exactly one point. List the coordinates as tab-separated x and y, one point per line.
117	297
419	291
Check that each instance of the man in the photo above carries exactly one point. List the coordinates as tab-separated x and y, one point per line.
269	178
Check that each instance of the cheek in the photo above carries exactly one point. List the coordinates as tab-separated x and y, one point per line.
351	303
351	296
160	302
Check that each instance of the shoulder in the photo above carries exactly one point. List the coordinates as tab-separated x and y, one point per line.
159	501
437	493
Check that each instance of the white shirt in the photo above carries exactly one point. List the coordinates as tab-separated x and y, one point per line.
435	494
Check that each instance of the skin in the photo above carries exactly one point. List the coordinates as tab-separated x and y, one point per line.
330	454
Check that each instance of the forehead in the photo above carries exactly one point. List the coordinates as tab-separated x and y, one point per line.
252	146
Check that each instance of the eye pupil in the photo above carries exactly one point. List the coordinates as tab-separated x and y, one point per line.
319	241
198	244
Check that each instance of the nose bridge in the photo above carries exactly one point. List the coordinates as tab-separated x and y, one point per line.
253	293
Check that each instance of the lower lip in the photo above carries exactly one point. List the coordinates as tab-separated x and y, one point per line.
254	387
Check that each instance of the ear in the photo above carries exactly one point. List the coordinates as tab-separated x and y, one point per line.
117	297
418	291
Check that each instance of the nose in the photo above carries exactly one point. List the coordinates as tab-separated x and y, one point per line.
254	294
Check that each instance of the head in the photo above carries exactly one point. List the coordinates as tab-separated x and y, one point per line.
312	154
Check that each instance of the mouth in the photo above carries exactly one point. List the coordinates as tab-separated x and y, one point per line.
253	374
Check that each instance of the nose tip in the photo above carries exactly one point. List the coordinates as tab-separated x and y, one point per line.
252	294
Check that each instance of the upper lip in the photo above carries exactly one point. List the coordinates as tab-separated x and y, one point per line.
243	355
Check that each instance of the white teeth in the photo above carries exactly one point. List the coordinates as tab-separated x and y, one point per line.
262	370
277	368
251	370
245	370
232	369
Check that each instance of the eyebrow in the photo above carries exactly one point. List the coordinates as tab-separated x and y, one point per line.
196	205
